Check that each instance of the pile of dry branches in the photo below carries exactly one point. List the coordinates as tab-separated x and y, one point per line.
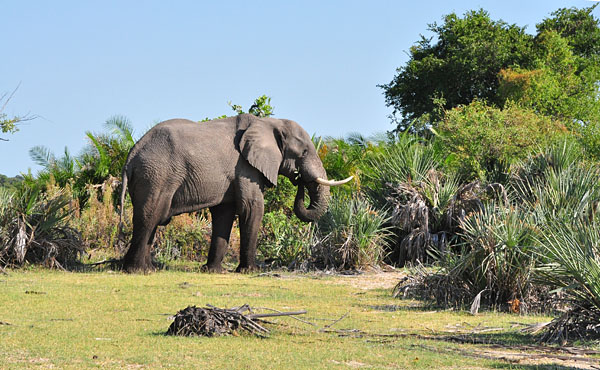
213	321
579	323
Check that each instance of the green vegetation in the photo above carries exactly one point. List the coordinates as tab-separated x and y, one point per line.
9	125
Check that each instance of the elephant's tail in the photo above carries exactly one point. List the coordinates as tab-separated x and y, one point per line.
123	190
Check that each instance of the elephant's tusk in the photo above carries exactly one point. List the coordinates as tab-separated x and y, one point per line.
333	182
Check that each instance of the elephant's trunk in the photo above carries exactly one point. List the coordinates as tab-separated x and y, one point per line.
319	196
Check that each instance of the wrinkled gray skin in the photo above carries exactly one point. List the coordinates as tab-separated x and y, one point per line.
225	165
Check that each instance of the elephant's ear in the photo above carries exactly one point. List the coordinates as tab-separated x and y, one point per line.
260	145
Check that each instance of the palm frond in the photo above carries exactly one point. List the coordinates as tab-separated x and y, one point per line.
42	156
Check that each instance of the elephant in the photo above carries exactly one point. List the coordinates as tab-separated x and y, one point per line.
224	165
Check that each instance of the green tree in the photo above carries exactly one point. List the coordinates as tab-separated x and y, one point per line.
554	86
578	26
461	65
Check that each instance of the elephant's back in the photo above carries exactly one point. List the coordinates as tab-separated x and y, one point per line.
174	137
186	157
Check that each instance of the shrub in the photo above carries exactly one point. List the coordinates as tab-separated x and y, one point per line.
35	228
284	240
351	234
98	220
495	262
483	141
186	237
571	255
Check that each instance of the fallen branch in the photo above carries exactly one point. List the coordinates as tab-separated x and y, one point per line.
104	262
279	313
324	329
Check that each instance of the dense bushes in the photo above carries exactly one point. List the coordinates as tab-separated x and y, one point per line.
481	141
35	228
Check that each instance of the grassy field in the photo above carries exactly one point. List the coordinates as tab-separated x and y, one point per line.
106	319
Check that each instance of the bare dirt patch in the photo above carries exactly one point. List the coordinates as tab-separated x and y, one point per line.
371	280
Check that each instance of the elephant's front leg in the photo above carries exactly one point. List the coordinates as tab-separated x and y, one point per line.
250	216
222	221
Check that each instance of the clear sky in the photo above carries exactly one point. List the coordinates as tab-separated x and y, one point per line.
80	62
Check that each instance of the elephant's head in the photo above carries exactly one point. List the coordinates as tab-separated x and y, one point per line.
275	146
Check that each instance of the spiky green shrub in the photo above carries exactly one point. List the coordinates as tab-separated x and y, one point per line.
34	228
571	263
497	254
556	185
406	158
284	241
351	235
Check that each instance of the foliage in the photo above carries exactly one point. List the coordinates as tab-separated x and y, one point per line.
107	152
98	219
422	213
345	157
10	182
103	158
61	170
555	186
260	108
578	26
186	237
9	125
481	141
351	235
462	65
554	73
34	228
281	197
284	240
497	253
407	158
571	255
558	85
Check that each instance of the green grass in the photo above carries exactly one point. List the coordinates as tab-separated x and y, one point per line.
104	319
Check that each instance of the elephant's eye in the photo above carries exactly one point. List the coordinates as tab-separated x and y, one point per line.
305	152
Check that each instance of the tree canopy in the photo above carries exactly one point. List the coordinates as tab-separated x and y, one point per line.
554	72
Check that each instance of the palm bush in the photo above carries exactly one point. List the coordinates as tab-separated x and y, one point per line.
405	180
497	254
493	261
352	234
571	263
34	228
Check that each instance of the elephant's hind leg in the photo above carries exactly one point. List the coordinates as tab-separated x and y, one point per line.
222	221
138	257
145	221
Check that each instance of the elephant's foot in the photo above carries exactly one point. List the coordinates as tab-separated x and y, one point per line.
137	266
246	269
212	269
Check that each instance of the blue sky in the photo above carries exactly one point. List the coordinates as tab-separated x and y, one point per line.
80	62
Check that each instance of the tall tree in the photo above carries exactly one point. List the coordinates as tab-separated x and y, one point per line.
462	64
578	26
